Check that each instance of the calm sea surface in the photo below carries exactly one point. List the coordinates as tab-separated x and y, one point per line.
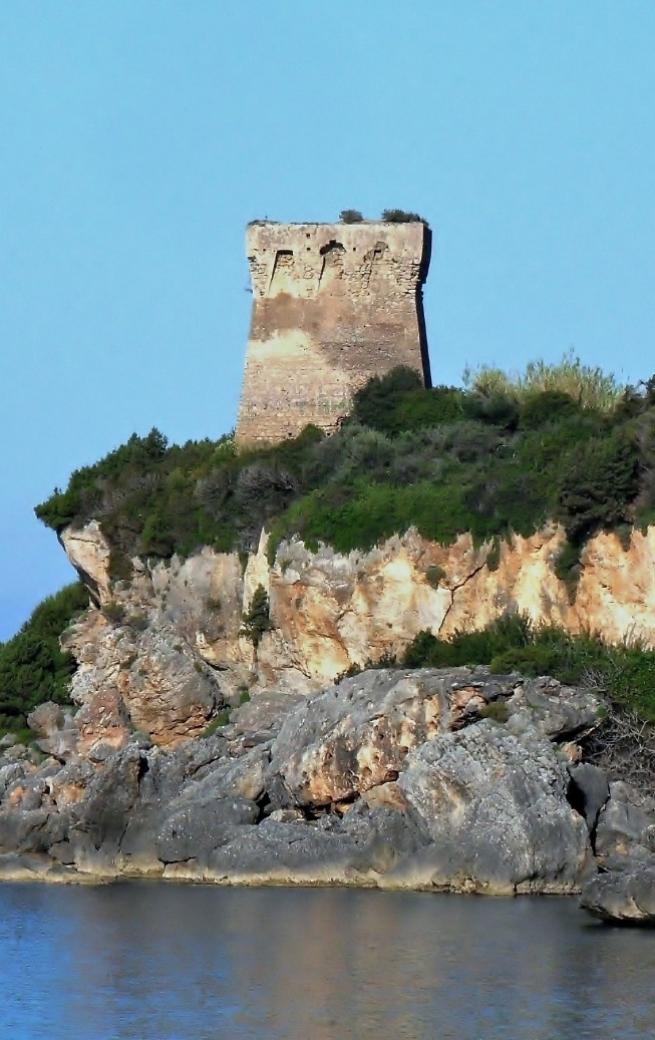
164	962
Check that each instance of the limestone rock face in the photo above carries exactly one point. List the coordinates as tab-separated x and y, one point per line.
148	646
330	611
492	804
393	778
626	826
55	729
326	754
89	552
624	887
495	809
131	677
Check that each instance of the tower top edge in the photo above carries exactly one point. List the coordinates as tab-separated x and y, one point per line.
351	225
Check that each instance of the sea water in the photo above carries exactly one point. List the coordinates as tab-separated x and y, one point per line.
156	961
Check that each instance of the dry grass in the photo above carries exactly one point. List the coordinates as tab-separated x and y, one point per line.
586	384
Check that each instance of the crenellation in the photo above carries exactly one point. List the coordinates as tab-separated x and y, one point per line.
333	305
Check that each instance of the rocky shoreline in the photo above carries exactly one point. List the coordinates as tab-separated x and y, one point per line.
444	780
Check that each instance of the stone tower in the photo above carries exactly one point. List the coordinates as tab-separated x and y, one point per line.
333	305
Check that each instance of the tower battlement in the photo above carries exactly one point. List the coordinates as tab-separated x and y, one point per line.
333	305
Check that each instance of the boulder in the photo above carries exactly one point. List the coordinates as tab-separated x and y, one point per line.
556	711
625	828
626	896
137	675
196	827
357	734
590	791
495	813
101	818
55	729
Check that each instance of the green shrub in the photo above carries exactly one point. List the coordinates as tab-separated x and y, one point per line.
567	568
401	216
587	385
114	612
374	404
625	673
348	673
257	619
138	622
423	650
423	409
350	216
598	485
493	556
495	409
222	718
497	711
33	667
546	406
120	566
434	575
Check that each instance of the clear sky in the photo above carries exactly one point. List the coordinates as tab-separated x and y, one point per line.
137	138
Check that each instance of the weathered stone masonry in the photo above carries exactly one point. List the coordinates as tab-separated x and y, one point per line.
333	305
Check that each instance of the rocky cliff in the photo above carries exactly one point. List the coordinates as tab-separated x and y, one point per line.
448	780
197	752
167	649
442	780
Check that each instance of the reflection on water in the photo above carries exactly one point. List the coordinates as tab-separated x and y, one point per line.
162	962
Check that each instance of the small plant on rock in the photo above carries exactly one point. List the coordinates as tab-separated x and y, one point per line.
219	720
138	622
497	711
114	612
434	575
257	619
401	216
350	216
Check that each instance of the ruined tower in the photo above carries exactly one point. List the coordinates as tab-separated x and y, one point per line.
333	305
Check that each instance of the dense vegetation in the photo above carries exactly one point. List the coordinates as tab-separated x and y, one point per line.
500	455
626	673
33	668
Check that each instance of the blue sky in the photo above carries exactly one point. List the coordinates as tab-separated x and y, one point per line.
137	138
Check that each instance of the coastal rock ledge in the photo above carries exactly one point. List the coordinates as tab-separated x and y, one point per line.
433	779
623	896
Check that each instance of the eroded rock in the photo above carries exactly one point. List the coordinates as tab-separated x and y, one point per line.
332	610
626	896
495	810
392	778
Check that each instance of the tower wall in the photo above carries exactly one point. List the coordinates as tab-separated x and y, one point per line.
333	305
